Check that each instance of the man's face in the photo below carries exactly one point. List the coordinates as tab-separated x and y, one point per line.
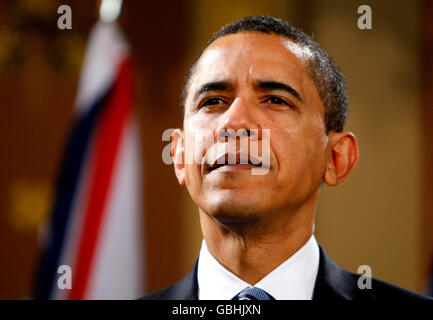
252	80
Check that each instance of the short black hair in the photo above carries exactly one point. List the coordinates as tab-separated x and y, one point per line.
324	72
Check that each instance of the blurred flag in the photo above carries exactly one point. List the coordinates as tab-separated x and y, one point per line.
95	222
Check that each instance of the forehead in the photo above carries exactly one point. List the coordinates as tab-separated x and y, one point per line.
253	55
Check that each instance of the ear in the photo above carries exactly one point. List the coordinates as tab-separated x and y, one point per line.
344	156
178	154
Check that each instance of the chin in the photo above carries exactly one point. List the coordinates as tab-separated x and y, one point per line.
229	207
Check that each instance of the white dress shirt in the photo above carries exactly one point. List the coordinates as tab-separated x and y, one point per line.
294	279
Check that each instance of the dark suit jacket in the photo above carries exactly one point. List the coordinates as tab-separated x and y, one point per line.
332	283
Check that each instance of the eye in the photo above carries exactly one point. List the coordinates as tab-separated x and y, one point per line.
279	102
212	101
276	100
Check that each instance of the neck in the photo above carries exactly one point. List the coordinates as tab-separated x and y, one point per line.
252	250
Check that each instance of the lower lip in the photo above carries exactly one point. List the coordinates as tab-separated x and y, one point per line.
234	168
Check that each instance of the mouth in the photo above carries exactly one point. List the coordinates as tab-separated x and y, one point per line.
235	162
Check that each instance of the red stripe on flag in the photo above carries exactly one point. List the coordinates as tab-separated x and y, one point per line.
107	139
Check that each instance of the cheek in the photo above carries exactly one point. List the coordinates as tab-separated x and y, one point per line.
198	140
317	140
290	151
298	148
285	137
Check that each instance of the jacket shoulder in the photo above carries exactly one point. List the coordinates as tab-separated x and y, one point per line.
335	283
382	290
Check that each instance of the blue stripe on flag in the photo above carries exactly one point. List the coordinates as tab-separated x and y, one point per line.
66	188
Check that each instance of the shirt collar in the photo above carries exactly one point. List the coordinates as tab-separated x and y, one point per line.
294	279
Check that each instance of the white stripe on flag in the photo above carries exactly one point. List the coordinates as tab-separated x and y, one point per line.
106	48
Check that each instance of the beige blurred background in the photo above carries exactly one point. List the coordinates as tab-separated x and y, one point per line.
381	216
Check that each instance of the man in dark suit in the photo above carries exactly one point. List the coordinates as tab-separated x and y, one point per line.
261	84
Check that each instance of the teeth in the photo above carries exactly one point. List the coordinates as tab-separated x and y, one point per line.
219	165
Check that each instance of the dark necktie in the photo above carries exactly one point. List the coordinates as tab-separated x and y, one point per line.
253	293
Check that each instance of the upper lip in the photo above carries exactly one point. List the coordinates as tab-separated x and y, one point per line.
223	160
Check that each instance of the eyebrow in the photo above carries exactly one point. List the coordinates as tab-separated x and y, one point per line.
275	85
212	86
262	84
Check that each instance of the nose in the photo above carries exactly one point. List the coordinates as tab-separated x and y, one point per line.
239	119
